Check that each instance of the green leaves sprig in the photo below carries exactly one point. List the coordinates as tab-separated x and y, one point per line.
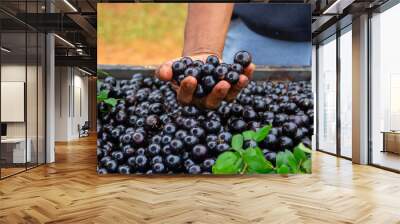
252	160
102	96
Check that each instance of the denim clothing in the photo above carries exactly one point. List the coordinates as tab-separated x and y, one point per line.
265	50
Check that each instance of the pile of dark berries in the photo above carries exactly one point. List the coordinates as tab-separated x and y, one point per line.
208	74
149	132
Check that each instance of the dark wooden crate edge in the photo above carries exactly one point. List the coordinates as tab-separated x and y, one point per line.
261	73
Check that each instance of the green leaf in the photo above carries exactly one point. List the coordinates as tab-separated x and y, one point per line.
269	164
283	169
299	154
292	162
111	101
287	159
307	165
102	95
303	148
262	133
256	162
250	171
228	163
248	135
237	142
280	159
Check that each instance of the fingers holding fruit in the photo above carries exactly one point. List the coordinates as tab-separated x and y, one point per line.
218	94
186	90
205	80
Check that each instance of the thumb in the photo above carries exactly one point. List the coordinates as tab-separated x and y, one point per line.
164	71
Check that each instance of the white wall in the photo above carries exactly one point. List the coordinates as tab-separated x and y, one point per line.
80	110
70	83
62	80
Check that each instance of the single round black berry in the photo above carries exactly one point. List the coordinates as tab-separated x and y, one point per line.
173	162
271	156
176	146
102	171
152	122
232	77
158	168
237	68
243	58
200	92
213	59
198	63
285	143
222	147
220	72
141	162
124	169
138	138
178	68
195	169
199	152
111	166
249	144
191	140
187	61
193	71
156	159
289	129
237	126
207	164
169	129
208	82
207	69
153	150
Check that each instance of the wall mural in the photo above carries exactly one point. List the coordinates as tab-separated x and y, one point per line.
237	102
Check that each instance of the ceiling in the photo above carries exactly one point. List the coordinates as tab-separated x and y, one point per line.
332	15
74	22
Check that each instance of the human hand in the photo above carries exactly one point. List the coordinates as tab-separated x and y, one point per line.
223	90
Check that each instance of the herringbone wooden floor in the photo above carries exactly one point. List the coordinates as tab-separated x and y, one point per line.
70	191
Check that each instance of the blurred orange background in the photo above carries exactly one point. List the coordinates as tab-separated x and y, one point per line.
139	33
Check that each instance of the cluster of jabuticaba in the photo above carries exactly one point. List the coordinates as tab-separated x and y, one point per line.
143	129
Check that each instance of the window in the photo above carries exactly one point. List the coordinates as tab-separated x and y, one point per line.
22	77
327	96
385	88
346	93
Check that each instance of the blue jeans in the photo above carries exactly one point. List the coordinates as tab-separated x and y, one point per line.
265	50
